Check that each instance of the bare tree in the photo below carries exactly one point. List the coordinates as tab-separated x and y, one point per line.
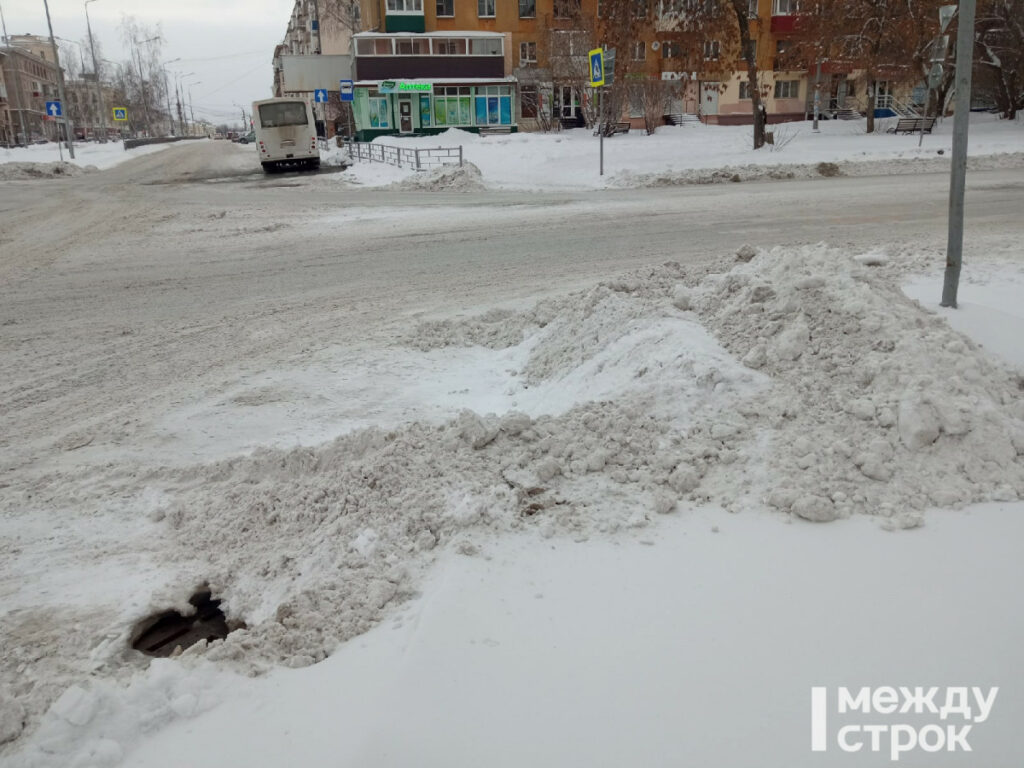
999	54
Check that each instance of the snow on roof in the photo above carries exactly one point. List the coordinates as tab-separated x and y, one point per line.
440	80
454	33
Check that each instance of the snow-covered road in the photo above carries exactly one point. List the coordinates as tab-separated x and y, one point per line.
162	320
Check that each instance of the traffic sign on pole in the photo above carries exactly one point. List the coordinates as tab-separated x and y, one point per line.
53	109
320	96
120	114
596	68
346	91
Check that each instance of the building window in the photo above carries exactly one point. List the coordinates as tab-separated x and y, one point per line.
379	116
527	9
529	99
493	105
445	7
785	7
565	42
671	50
412	47
449	46
752	10
639	50
486	46
405	6
527	53
712	49
424	110
787	89
566	9
744	89
452	105
639	9
485	8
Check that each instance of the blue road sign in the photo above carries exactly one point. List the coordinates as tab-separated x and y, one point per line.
346	90
596	68
321	96
120	114
53	109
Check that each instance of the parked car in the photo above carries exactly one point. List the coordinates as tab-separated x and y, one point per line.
248	138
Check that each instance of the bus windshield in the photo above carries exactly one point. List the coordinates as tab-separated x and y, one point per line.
283	113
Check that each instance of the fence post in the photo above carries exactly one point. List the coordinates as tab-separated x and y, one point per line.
417	160
460	155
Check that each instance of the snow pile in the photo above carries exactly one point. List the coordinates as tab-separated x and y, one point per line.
18	171
445	178
849	399
753	172
878	408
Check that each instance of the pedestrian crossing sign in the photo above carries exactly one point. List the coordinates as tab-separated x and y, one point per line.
120	114
596	68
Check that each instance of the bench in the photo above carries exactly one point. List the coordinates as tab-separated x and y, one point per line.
913	125
610	129
495	130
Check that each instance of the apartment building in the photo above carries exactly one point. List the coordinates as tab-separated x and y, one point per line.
426	65
29	81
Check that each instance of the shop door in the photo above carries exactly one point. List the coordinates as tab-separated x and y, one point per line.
567	99
405	116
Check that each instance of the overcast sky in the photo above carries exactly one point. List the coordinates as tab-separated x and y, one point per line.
227	44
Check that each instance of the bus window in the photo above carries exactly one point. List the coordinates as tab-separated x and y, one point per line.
283	113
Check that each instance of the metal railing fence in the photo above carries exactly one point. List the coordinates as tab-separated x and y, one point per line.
405	157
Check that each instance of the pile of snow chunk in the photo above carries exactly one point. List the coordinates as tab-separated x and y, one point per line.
445	178
850	399
879	407
19	171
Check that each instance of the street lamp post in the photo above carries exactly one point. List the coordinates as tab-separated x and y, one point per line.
96	72
167	93
68	127
191	111
178	95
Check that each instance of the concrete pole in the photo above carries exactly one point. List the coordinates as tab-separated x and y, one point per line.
817	95
16	68
958	174
96	72
68	127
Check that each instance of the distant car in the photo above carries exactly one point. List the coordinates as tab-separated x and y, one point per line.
249	138
218	135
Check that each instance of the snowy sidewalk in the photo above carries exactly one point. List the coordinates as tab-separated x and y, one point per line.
568	160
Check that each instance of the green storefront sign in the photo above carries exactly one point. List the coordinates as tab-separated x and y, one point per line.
400	86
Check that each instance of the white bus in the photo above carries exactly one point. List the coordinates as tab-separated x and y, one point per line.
285	134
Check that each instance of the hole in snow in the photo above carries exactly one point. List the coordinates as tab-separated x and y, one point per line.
163	633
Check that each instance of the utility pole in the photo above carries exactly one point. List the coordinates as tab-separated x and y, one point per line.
958	174
17	80
68	127
96	72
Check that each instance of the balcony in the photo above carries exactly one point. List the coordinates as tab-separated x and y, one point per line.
429	55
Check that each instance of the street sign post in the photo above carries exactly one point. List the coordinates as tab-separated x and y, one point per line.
53	109
320	96
120	114
346	90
